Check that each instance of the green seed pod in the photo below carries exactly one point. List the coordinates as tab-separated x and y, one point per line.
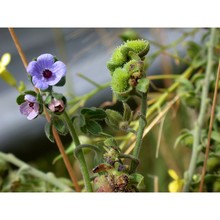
120	82
118	58
140	47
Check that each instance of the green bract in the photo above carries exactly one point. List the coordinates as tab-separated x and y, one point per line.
127	68
133	49
120	80
139	46
118	58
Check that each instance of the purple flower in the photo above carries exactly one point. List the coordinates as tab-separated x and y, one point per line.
57	106
45	71
30	107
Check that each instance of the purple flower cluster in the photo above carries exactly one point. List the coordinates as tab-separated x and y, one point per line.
45	71
30	107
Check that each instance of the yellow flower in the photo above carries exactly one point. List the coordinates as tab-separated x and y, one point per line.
177	183
4	74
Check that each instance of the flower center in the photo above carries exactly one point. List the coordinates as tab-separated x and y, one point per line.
31	104
47	73
59	108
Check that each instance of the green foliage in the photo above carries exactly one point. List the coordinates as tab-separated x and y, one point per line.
113	119
60	125
88	120
48	131
143	85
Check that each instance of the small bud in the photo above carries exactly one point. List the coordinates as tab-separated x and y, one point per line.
56	106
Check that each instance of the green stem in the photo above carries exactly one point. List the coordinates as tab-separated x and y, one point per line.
96	149
80	155
89	80
162	99
142	124
34	172
90	146
167	76
200	121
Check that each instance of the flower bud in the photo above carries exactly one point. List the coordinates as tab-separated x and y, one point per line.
57	106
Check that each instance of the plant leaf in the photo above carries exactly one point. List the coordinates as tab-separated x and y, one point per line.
48	131
215	136
59	125
143	85
93	127
93	113
113	118
138	179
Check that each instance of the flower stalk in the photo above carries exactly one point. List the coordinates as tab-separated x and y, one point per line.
142	124
80	155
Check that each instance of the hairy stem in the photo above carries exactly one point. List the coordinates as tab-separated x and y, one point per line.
80	155
142	124
34	172
200	121
210	128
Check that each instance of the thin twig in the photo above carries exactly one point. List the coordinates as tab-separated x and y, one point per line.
156	184
55	134
159	136
210	128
